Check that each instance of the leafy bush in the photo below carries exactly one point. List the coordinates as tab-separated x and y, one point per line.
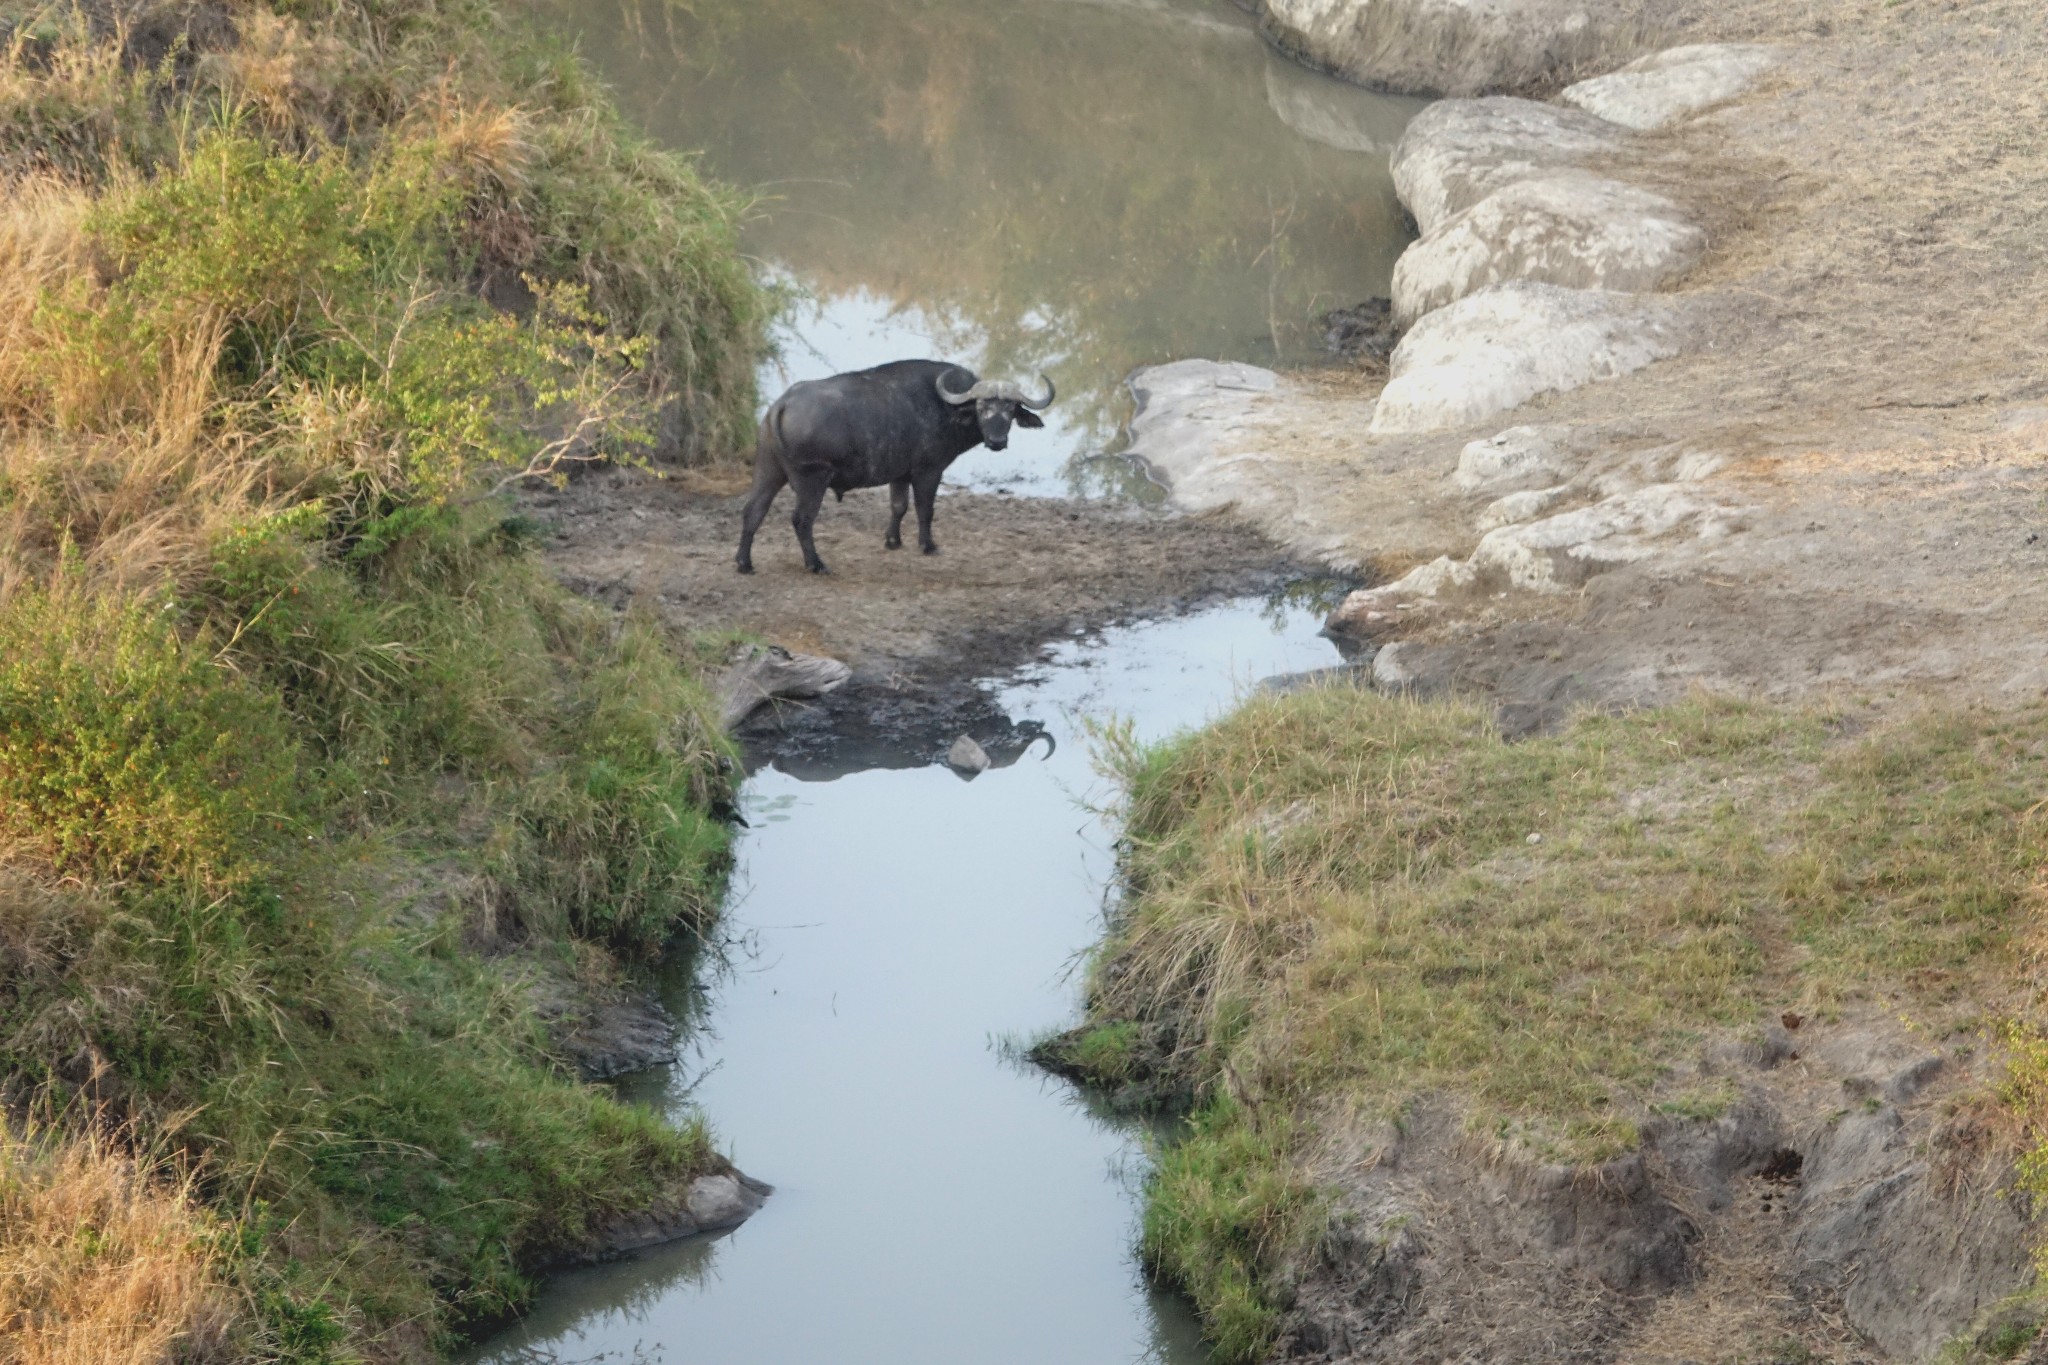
128	751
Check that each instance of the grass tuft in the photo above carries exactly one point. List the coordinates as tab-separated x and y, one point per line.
104	1260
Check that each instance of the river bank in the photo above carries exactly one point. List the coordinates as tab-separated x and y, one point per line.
1734	394
320	800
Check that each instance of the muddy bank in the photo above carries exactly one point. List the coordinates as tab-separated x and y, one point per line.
1841	1208
1013	574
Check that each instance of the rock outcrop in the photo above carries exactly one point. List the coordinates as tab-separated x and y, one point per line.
1194	420
1564	227
1457	152
1667	86
1498	348
710	1203
1451	47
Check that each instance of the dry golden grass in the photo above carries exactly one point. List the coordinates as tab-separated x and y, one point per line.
103	1260
276	69
42	245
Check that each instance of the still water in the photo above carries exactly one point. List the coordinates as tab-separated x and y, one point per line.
1080	187
937	1202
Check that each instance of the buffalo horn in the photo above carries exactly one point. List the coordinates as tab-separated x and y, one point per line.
995	388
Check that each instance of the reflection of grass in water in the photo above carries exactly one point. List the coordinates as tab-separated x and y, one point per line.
1318	596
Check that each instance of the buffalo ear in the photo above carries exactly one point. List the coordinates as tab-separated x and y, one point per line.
1028	419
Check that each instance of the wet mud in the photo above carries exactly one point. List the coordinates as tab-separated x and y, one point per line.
1014	577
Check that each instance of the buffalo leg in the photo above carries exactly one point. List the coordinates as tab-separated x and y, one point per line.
768	481
927	494
810	496
899	503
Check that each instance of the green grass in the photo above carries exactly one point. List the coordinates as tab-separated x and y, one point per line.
292	718
1343	899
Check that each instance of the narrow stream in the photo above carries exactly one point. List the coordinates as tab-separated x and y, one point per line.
937	1202
1077	186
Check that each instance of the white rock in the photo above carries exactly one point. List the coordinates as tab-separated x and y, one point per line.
721	1201
1456	152
1389	672
1526	505
1517	455
968	757
1195	422
1498	348
1444	47
1669	85
1323	109
1559	553
1564	227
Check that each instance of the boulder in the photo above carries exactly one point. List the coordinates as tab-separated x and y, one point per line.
1565	227
1498	348
724	1201
1390	667
1447	47
1457	152
711	1203
1670	85
967	758
1517	457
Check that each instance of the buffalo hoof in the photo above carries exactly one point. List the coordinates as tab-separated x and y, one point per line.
745	568
819	567
931	549
892	544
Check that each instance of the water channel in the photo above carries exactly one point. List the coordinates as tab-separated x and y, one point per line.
1078	186
937	1201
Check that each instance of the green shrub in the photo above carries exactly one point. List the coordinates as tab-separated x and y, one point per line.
128	751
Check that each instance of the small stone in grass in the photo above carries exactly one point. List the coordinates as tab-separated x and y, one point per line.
1535	839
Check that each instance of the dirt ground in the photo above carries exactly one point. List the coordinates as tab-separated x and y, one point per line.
1013	575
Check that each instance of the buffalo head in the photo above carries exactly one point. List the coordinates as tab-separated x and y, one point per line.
997	405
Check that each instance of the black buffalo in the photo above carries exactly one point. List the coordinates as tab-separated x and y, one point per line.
898	424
